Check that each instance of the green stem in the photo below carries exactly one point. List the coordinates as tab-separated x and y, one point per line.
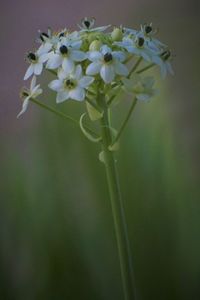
135	66
117	209
125	122
145	68
60	114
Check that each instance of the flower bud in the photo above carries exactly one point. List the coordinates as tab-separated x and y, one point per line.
117	34
95	45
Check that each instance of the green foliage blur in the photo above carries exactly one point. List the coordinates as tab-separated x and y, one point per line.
56	229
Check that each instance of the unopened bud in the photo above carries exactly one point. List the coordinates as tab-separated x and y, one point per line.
117	34
95	45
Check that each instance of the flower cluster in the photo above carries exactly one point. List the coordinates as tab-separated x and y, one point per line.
96	60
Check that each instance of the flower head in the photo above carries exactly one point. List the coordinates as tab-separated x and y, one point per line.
87	25
26	94
142	88
36	61
163	60
71	85
107	63
66	54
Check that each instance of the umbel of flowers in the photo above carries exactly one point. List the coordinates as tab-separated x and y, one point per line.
96	65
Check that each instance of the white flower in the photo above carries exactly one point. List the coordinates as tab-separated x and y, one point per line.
142	88
37	60
33	92
108	63
66	54
137	46
87	25
71	85
163	60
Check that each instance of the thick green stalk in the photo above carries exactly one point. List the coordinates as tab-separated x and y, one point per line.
117	208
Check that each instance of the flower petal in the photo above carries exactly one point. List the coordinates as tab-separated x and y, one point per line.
94	55
55	85
54	61
24	106
77	94
29	72
93	68
77	55
85	81
62	96
78	72
38	68
44	57
121	69
107	73
68	65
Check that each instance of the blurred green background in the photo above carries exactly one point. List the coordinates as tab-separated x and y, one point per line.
56	233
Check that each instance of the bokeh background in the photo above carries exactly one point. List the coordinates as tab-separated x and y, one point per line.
56	230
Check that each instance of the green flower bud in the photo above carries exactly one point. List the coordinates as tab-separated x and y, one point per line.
117	34
95	45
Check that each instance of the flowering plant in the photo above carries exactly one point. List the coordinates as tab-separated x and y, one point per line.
95	65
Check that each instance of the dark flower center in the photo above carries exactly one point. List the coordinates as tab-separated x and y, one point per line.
63	49
108	57
42	35
166	55
70	84
61	34
148	29
32	57
140	41
87	23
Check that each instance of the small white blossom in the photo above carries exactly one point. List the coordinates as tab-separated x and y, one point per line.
33	92
142	88
163	60
88	23
71	85
37	60
108	63
66	54
137	46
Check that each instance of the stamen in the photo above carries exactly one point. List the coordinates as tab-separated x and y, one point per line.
148	29
108	57
87	24
166	54
63	49
70	84
140	41
42	35
31	56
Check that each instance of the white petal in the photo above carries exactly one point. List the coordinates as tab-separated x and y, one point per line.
54	61
29	72
94	55
38	68
33	83
77	55
76	45
105	49
119	55
78	72
44	48
44	57
77	94
55	85
93	68
24	106
62	74
68	65
85	81
107	73
121	69
62	96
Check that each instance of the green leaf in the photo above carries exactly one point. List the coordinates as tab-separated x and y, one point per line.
86	132
93	113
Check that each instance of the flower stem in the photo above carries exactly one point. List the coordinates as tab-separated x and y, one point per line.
60	114
125	122
135	66
145	68
117	208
